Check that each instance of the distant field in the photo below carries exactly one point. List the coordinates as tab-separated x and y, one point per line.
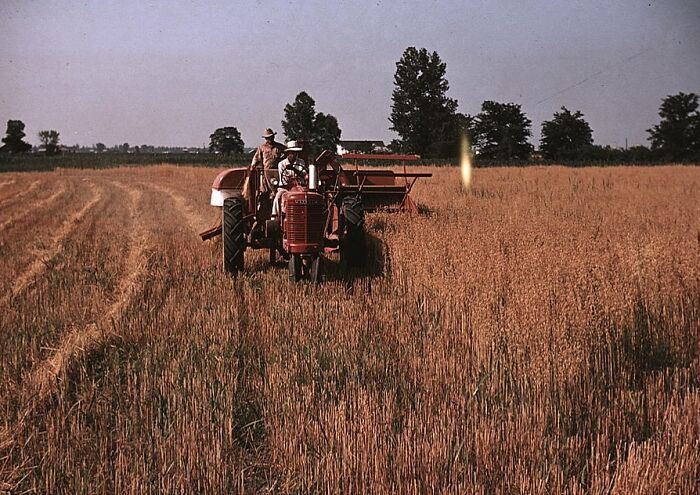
538	334
41	163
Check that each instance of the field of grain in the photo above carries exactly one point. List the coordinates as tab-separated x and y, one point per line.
537	334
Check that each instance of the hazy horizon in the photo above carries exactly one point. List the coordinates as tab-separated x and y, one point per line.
171	73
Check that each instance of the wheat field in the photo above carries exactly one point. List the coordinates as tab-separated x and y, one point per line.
538	333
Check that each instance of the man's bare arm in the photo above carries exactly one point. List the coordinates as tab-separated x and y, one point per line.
257	159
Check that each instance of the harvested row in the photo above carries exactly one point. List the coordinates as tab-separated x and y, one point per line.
30	229
20	191
193	220
37	205
64	292
133	294
83	340
86	339
54	245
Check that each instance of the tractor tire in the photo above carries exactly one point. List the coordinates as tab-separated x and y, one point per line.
353	249
353	211
315	273
233	234
295	267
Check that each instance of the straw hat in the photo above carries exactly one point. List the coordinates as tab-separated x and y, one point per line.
293	146
268	133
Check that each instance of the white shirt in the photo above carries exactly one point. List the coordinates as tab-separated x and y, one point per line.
298	170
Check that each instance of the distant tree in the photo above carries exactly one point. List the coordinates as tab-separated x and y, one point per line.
421	112
319	130
450	136
226	140
50	141
299	117
639	154
500	132
100	147
326	132
14	139
124	148
677	136
565	136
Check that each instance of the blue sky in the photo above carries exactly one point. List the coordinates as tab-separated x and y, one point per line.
169	73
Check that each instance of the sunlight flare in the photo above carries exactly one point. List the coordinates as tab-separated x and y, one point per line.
465	162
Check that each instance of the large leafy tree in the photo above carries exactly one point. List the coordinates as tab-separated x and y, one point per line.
566	136
14	140
421	112
50	139
677	136
226	140
500	132
301	122
299	117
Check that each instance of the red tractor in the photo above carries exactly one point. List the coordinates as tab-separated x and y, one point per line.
322	211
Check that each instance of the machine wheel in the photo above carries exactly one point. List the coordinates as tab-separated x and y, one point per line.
295	267
353	250
315	272
233	234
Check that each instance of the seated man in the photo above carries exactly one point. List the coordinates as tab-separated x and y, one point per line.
289	168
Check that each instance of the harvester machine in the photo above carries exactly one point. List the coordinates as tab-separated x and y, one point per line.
323	211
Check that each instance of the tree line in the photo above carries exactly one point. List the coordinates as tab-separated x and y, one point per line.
14	139
428	124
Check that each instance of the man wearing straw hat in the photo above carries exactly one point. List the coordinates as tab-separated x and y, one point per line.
267	155
289	168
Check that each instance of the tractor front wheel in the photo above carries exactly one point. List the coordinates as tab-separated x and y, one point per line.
295	267
233	234
315	271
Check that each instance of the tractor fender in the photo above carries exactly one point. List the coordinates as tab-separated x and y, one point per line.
227	184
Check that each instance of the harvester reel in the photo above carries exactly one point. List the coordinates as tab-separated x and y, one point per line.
233	234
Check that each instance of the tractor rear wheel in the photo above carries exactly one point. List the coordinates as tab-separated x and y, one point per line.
233	234
295	267
353	250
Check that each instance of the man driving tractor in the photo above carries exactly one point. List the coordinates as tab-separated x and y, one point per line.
290	168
